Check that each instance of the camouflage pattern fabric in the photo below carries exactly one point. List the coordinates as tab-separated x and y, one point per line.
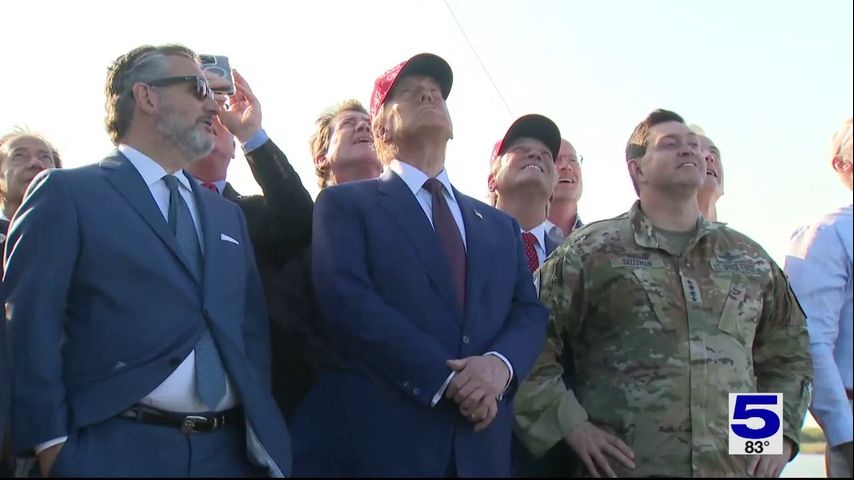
660	340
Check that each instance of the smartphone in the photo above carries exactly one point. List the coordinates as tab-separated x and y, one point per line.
218	64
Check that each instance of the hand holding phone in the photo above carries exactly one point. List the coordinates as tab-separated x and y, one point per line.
218	72
242	115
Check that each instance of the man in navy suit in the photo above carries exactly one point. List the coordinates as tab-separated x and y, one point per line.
522	178
429	302
23	154
134	305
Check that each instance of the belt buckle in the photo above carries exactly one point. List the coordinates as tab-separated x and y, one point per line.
190	422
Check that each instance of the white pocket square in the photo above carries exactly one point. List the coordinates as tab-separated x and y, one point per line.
226	238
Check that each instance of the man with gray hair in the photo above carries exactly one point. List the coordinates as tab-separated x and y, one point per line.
23	154
819	265
146	350
713	188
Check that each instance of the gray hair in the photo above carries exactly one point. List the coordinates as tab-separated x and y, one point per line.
142	64
840	144
20	131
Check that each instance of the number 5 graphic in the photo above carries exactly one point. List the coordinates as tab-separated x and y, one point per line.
742	412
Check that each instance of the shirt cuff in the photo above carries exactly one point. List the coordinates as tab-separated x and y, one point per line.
259	138
44	446
441	391
509	367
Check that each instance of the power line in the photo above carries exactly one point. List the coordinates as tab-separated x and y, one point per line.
479	60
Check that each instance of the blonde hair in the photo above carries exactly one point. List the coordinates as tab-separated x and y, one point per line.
323	130
386	151
494	168
840	143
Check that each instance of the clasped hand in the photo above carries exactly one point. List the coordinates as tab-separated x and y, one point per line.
476	386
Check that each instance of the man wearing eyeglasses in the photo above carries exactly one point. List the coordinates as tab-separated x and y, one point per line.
145	352
279	221
563	211
713	188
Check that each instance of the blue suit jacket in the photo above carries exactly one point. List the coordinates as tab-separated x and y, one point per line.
5	371
102	306
383	283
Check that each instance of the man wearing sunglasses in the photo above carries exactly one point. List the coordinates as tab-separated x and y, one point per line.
146	349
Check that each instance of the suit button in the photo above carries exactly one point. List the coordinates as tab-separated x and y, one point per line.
416	391
175	361
466	339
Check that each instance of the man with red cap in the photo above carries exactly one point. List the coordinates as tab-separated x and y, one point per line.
429	303
522	178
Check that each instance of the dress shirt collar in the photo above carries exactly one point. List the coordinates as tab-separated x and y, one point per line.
415	178
539	233
150	170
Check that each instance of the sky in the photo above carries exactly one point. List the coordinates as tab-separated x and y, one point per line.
769	81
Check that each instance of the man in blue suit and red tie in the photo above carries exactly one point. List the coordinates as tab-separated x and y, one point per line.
429	302
135	309
522	181
522	178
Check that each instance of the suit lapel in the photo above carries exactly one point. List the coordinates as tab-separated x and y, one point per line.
477	253
127	181
396	199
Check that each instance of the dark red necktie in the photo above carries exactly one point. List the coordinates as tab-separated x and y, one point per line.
531	250
210	186
449	234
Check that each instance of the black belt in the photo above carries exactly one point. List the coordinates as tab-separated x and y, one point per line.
186	423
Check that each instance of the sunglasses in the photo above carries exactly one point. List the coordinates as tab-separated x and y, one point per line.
201	89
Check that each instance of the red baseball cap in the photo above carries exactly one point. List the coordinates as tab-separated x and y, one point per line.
533	126
427	64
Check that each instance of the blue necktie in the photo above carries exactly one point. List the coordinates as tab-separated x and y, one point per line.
210	374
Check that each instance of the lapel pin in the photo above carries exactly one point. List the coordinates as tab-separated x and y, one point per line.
478	214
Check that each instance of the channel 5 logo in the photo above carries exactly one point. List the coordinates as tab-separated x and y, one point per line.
755	423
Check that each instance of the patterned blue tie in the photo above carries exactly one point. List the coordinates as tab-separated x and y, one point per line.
210	374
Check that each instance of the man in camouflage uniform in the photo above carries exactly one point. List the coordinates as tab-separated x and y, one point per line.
667	313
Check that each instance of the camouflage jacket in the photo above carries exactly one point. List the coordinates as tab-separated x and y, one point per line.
660	340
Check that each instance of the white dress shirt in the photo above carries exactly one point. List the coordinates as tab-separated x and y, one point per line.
178	392
539	233
819	265
414	179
